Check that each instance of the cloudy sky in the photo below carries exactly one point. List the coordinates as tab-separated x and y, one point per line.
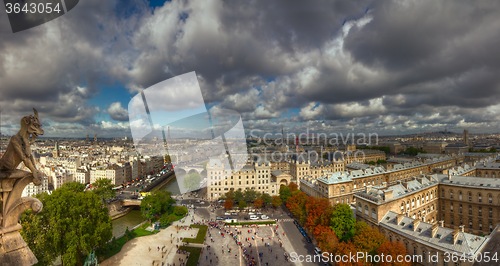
389	67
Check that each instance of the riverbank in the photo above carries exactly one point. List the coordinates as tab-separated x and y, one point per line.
164	182
119	214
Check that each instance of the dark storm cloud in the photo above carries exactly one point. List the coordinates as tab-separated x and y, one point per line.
389	65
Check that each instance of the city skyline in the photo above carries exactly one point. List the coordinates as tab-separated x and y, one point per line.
363	66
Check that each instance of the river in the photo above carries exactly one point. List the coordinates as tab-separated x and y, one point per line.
134	217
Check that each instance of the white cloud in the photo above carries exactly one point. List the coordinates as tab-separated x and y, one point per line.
117	112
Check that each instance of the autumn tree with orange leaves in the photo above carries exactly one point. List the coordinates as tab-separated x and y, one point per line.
347	249
393	249
228	204
326	238
318	211
296	204
258	203
367	239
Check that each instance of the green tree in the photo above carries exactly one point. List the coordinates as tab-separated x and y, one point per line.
242	204
266	198
156	204
238	196
342	222
250	195
180	211
73	222
228	195
285	193
103	188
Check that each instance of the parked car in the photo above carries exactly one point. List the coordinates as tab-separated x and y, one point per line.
264	217
254	217
317	251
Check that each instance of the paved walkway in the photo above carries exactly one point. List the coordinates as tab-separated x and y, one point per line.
158	249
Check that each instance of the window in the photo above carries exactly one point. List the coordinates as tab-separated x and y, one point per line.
460	208
490	199
470	210
480	211
470	196
479	197
460	195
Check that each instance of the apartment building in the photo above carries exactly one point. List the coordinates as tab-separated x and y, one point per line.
256	176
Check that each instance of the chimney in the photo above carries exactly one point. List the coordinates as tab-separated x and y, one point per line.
399	218
434	230
441	223
456	232
449	175
462	228
416	222
387	195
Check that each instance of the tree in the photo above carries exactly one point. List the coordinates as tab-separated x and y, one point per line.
156	204
285	193
229	195
327	240
347	248
293	187
296	205
228	204
103	188
72	224
394	249
276	201
238	196
258	203
318	211
250	195
343	222
242	204
266	198
180	211
367	239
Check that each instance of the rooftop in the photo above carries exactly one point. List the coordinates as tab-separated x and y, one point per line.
470	181
443	238
377	194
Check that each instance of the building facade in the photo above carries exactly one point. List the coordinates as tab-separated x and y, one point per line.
257	176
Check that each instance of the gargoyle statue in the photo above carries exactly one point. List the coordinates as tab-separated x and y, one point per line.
19	148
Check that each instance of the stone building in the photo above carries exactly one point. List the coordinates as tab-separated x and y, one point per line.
257	176
415	198
340	187
433	244
473	202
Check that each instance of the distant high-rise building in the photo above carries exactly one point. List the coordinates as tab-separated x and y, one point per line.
55	153
466	137
95	137
87	138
